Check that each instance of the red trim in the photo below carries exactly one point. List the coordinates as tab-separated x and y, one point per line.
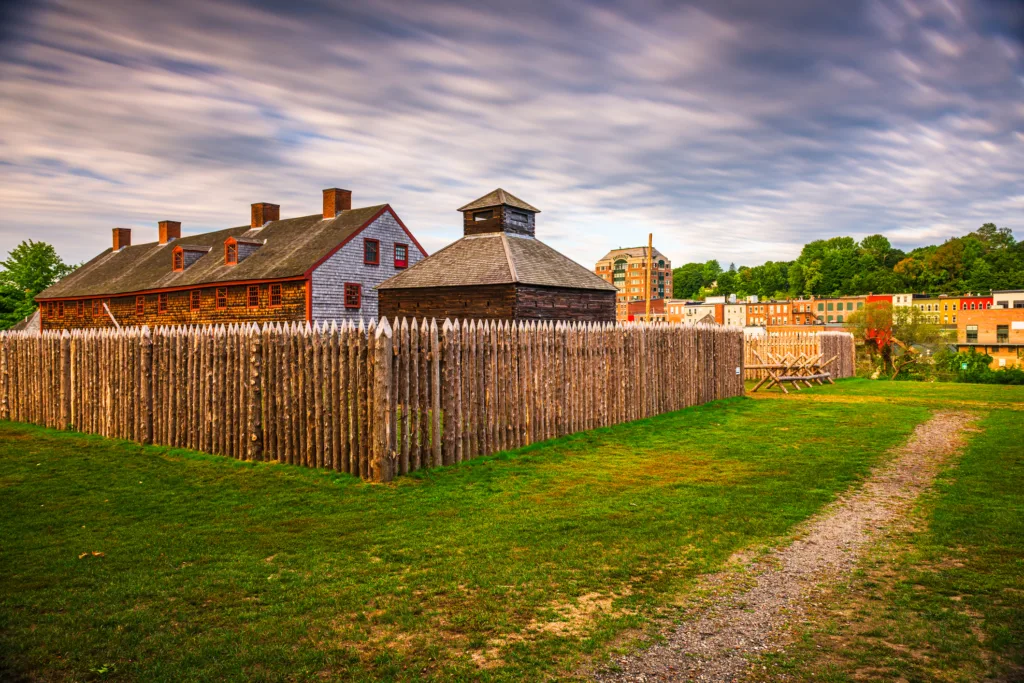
177	259
270	296
203	285
386	207
60	309
359	294
248	296
140	302
195	300
401	263
309	299
161	303
217	297
366	241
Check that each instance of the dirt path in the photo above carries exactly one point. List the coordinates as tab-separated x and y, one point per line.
717	645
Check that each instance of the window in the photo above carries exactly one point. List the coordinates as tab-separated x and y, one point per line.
972	334
194	300
97	306
860	305
140	305
830	308
222	297
161	303
821	307
177	260
353	295
60	309
839	319
483	215
275	295
371	252
401	255
253	296
230	253
1002	334
81	308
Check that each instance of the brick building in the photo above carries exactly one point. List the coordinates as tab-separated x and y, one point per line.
499	270
627	270
999	332
691	312
316	268
801	312
837	310
972	302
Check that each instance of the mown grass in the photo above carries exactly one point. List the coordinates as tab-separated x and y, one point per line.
944	599
512	567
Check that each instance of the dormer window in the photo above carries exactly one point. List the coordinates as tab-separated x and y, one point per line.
177	260
483	215
231	252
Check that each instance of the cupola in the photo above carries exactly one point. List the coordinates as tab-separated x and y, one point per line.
498	211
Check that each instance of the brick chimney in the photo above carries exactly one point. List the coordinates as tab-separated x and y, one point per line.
336	200
122	238
169	230
263	213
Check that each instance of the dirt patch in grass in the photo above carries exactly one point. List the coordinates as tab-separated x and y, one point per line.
739	625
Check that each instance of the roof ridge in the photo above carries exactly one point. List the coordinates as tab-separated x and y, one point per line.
508	257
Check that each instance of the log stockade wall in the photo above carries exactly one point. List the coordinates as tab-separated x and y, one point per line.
374	401
829	344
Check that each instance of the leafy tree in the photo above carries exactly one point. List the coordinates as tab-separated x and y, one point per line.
893	333
29	268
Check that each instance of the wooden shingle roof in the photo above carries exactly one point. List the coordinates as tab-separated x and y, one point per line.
497	198
288	248
497	258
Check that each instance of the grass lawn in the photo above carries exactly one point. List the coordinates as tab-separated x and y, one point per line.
942	600
517	566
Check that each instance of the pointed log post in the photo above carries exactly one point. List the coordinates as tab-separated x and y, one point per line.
383	461
255	394
146	389
65	380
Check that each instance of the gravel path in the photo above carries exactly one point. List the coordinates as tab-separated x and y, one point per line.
717	645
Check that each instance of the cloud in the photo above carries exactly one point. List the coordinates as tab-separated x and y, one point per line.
735	131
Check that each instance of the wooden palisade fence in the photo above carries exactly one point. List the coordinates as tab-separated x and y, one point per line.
829	344
373	401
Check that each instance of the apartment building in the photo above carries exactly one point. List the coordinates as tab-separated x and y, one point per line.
837	310
938	310
970	302
1008	298
801	312
627	270
735	314
999	332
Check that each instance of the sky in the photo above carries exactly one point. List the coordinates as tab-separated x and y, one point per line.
733	130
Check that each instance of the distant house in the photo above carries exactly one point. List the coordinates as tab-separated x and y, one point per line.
320	267
627	270
498	270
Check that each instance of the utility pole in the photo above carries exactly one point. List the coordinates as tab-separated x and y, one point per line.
650	258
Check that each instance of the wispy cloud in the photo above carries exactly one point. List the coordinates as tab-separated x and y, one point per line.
733	130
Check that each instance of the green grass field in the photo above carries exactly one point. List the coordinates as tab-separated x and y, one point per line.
519	566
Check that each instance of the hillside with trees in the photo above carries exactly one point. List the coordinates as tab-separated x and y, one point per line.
988	258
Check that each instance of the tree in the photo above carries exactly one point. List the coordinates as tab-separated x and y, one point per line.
884	328
29	268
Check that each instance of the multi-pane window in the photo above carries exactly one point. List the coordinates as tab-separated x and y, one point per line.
97	306
230	253
60	309
1002	333
254	296
81	308
401	255
353	295
194	300
178	260
371	251
275	295
161	303
222	297
140	305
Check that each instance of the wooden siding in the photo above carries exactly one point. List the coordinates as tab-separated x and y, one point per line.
504	220
346	265
293	307
485	302
551	303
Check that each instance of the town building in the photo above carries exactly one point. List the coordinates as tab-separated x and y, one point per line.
1008	298
837	310
902	300
999	332
636	311
691	312
627	270
499	270
801	312
938	310
972	302
735	313
319	267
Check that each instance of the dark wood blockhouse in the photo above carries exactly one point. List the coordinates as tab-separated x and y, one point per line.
320	267
499	270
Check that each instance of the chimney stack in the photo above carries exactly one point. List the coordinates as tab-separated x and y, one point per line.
169	230
122	238
263	213
336	200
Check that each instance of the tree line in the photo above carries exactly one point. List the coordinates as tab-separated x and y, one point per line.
985	259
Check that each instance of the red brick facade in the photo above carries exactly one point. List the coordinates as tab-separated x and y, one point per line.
230	305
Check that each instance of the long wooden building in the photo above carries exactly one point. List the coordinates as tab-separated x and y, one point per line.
499	270
320	267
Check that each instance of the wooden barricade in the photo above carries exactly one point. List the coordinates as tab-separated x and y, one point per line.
374	401
795	344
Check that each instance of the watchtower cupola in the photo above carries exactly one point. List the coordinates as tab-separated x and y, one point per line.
498	211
